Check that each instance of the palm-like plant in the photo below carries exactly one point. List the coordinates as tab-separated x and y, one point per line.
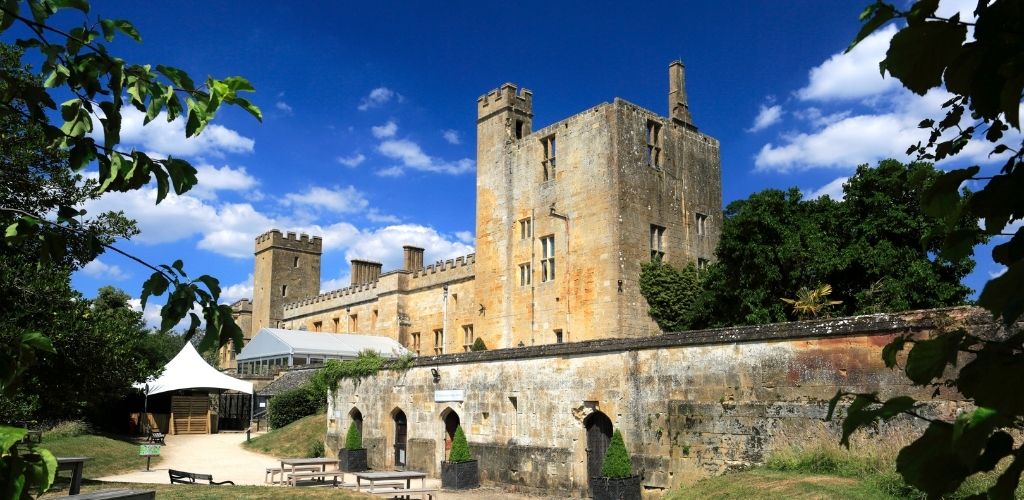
809	303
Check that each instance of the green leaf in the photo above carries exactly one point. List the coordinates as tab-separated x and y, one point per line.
37	341
930	463
156	285
927	360
874	16
128	29
81	5
6	20
10	436
211	283
984	380
1003	295
919	53
182	173
178	77
944	194
251	108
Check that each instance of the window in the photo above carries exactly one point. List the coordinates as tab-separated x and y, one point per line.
337	325
373	321
353	322
657	248
549	158
467	333
702	263
653	144
701	222
438	342
416	343
525	229
519	129
524	274
318	326
558	336
284	290
547	258
295	262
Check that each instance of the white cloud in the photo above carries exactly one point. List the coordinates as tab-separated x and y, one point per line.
391	172
378	97
283	106
166	138
336	199
212	179
768	116
151	316
374	215
389	129
384	245
412	156
233	292
352	161
335	283
997	272
452	136
464	236
844	144
833	189
103	271
852	75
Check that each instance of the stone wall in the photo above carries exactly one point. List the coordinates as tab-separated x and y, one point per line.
689	404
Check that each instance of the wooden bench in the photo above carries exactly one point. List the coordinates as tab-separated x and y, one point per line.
116	494
272	472
183	477
429	493
294	477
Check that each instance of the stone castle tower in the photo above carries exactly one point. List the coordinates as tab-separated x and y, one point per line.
287	269
565	217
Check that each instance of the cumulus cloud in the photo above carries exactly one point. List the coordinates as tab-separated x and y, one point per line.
283	107
854	74
412	156
378	97
336	199
833	189
235	291
374	215
464	236
166	138
212	179
151	316
389	129
103	271
768	116
391	172
452	136
352	161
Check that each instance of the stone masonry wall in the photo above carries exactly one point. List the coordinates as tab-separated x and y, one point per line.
689	404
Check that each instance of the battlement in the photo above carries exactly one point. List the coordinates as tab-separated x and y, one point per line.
508	95
290	241
445	265
333	294
242	305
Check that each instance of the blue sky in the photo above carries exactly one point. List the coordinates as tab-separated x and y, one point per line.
369	130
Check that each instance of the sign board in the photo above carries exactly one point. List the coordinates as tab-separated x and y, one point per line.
148	450
457	395
263	404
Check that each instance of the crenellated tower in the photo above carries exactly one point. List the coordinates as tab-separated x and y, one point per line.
287	269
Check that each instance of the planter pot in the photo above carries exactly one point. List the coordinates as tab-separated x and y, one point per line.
460	476
603	488
352	460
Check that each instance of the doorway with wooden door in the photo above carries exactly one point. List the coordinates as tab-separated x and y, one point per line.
401	433
451	424
599	435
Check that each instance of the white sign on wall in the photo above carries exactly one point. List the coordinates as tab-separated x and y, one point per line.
458	395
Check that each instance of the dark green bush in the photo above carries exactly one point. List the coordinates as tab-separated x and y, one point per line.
460	448
478	345
316	450
292	405
616	461
353	440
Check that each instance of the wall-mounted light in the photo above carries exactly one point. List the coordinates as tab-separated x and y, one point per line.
436	374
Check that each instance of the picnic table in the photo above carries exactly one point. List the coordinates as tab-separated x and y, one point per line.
398	475
75	465
293	462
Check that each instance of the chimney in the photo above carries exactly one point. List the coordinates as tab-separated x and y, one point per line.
678	109
413	258
364	271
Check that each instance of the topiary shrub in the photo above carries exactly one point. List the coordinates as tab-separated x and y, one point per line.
460	448
353	440
616	460
316	450
478	345
292	405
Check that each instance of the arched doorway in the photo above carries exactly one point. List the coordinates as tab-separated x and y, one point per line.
451	424
357	418
599	434
401	432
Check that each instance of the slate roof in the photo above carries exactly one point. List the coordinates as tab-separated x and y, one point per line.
289	379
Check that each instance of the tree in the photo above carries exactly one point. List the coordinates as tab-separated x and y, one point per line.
985	74
616	460
353	439
460	447
671	294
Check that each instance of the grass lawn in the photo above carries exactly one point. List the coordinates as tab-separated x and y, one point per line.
107	455
208	492
293	440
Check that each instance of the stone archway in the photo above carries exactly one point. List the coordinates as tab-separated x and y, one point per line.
599	434
401	434
451	423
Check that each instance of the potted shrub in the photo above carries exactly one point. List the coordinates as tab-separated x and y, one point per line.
460	472
617	481
352	458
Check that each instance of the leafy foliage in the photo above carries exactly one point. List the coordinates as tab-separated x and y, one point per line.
809	303
353	439
616	461
366	364
460	447
986	77
672	294
292	405
478	345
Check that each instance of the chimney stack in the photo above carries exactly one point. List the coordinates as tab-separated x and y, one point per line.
365	271
412	258
678	109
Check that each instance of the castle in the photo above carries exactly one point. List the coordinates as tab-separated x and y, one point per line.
565	216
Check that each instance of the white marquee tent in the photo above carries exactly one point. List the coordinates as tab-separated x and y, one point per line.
188	370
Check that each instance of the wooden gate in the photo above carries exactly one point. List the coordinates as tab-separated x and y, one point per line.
599	434
233	414
190	414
